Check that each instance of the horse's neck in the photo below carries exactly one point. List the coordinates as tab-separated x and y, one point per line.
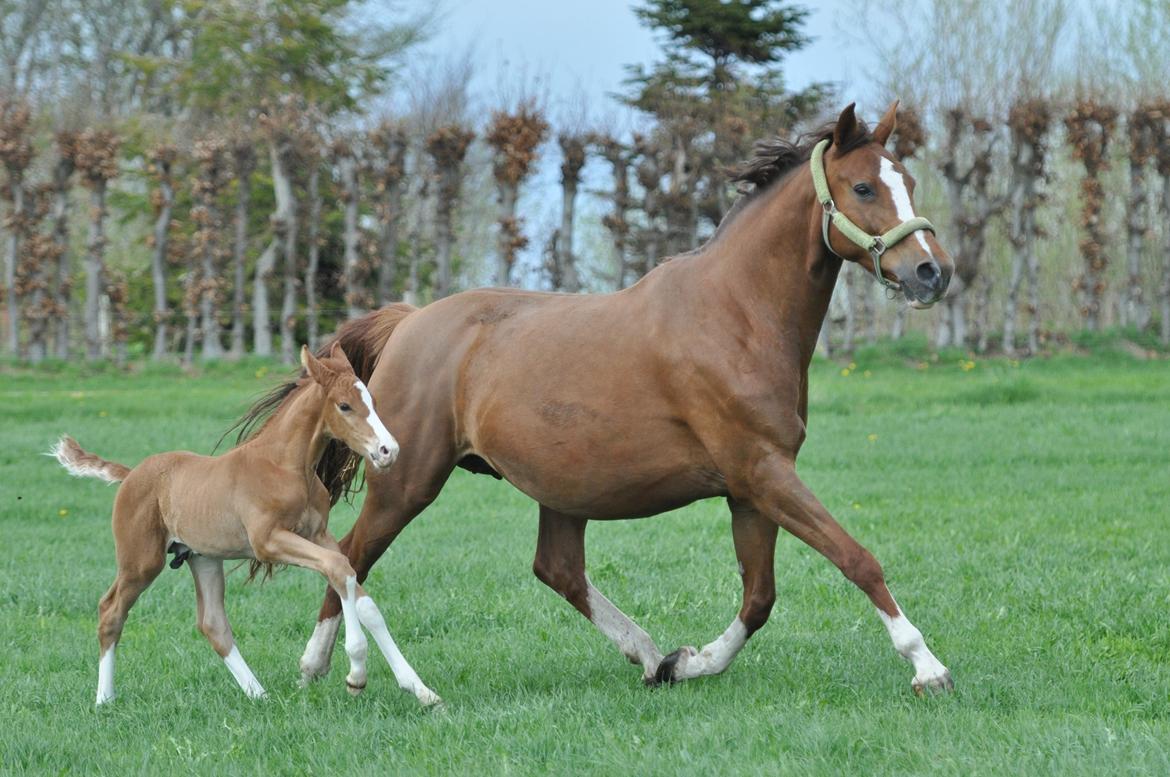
295	437
771	263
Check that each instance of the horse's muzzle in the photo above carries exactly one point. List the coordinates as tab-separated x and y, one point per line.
383	456
925	284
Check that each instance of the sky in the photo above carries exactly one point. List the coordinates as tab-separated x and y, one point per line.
579	47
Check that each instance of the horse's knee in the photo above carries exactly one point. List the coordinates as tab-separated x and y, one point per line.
565	582
863	570
757	607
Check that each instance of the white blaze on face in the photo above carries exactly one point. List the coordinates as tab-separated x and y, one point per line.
380	431
896	183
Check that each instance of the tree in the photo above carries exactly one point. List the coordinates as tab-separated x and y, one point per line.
97	162
243	152
388	144
62	289
1142	130
566	276
514	137
211	155
447	146
161	161
618	156
16	154
353	271
1030	121
1090	127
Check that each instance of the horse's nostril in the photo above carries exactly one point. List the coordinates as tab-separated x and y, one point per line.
928	272
384	451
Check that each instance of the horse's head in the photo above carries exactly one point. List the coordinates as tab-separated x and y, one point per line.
869	218
349	409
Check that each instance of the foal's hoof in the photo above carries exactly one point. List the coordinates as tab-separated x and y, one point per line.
429	699
669	670
354	690
933	684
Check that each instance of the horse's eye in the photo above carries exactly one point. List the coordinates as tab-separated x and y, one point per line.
344	407
864	190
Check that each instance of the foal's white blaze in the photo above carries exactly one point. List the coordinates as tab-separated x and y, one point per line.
908	641
896	183
105	691
239	669
380	431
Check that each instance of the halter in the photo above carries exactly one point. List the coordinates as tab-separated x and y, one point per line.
876	245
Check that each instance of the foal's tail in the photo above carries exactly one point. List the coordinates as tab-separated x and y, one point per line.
81	463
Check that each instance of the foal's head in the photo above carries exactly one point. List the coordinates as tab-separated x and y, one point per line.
349	408
876	193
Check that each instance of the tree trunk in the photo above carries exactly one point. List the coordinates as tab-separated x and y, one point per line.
158	264
1164	291
285	222
245	164
1143	124
509	239
354	294
261	317
573	150
314	226
447	146
393	143
95	270
846	287
615	221
62	174
1089	128
18	213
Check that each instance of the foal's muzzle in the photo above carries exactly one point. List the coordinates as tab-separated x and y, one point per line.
382	455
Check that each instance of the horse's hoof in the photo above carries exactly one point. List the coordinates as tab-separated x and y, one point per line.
429	699
933	684
670	667
354	690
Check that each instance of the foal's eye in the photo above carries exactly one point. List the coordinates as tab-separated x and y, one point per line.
344	407
863	190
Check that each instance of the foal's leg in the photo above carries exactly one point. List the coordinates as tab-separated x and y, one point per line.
141	557
755	548
393	499
560	564
212	621
777	491
357	608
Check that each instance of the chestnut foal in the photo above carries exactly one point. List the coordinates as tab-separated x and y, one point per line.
261	501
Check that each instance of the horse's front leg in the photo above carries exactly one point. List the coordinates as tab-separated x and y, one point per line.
773	487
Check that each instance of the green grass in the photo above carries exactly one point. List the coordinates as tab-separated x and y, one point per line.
1021	513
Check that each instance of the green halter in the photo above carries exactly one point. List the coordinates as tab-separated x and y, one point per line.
875	244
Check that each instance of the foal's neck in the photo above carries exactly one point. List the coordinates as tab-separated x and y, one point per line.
296	436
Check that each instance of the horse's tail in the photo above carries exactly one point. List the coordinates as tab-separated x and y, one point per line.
363	340
81	463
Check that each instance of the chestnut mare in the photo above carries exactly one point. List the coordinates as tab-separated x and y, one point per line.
260	501
692	383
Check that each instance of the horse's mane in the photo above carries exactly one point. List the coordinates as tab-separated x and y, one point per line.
775	156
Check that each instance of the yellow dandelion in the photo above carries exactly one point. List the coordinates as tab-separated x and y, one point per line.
857	505
102	414
260	373
872	438
852	365
62	512
845	373
867	374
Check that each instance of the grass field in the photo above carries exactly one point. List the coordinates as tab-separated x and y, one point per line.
1022	514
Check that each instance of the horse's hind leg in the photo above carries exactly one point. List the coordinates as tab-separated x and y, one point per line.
560	564
213	622
755	548
394	498
141	556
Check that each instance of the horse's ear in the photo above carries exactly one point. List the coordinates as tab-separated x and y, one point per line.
336	352
887	125
846	127
317	371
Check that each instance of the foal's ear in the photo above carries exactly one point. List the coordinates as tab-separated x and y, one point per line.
846	127
336	352
887	125
317	371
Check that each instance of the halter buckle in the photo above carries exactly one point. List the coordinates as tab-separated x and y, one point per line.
878	247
